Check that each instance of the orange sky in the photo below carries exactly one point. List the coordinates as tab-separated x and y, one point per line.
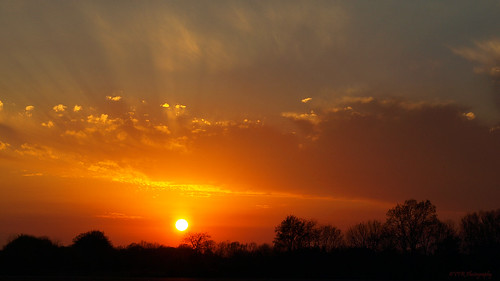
233	115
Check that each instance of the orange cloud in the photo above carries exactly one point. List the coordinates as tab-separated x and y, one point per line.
3	145
48	124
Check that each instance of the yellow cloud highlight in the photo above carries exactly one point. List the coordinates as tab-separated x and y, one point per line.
1	105
113	98
470	115
97	119
311	117
49	124
180	106
59	108
306	100
28	109
165	105
39	151
77	108
163	129
3	145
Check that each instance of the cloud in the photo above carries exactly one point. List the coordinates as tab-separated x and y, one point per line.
77	108
59	108
486	55
165	105
162	128
41	152
49	124
119	216
357	147
33	175
3	145
470	115
28	110
310	117
113	98
306	100
1	105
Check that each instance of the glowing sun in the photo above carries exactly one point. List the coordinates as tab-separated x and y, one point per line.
181	225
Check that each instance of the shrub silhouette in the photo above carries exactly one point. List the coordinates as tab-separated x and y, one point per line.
93	250
29	254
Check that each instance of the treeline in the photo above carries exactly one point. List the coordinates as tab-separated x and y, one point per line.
411	243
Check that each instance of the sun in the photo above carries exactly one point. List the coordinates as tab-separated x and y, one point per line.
181	225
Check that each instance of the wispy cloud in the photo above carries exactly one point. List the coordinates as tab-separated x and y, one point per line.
118	216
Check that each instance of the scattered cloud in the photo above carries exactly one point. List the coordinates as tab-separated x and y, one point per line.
113	98
306	100
1	105
180	106
165	105
361	147
77	108
48	124
310	117
59	108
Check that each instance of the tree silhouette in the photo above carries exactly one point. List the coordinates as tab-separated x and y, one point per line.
328	238
93	240
199	241
29	254
367	235
93	250
294	233
413	225
480	232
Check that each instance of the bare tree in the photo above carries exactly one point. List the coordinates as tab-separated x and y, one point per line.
199	241
413	225
480	232
328	238
294	233
368	235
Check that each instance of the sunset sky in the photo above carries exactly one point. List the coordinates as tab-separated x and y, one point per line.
124	116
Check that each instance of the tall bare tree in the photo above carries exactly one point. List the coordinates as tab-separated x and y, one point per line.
413	225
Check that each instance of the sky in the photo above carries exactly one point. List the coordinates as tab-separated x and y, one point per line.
124	116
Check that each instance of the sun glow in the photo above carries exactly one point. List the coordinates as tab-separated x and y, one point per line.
181	225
